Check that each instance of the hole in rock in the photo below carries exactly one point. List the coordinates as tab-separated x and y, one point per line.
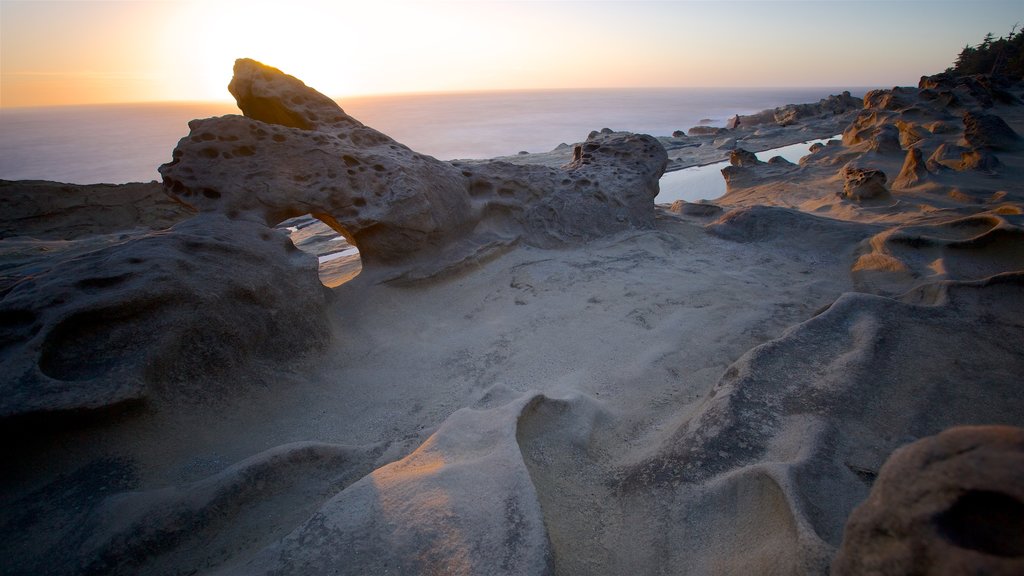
986	521
339	258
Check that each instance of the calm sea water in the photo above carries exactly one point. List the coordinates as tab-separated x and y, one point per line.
126	143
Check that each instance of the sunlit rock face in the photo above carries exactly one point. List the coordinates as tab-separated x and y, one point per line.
295	152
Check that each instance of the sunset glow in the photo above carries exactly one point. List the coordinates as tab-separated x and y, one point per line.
77	52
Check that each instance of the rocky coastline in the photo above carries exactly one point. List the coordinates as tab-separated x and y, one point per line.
537	369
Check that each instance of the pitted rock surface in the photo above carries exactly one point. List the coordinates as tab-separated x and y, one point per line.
296	152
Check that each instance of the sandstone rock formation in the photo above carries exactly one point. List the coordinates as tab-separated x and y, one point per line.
296	152
913	171
682	397
863	184
57	211
155	315
989	131
706	131
790	114
743	158
947	504
699	209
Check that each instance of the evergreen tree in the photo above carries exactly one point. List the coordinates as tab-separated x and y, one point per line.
1004	55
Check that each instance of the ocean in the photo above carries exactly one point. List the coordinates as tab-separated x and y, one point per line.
126	142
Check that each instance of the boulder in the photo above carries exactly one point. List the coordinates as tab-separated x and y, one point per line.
989	131
886	140
947	504
863	184
741	157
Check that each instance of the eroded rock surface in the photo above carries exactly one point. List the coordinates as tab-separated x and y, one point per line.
296	152
57	211
154	314
863	184
947	504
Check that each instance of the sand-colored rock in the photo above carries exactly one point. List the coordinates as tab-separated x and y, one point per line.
834	105
699	209
861	184
989	131
913	171
947	504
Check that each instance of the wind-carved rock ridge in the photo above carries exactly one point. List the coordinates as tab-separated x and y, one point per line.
295	151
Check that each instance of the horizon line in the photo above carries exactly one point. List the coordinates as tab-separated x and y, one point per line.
482	91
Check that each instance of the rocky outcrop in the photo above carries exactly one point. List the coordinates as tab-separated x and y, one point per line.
58	211
863	184
979	90
698	209
790	114
913	172
877	129
979	159
948	504
156	316
706	131
895	99
830	106
743	158
946	155
296	152
989	131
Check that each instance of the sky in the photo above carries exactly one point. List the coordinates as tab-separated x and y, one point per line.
100	51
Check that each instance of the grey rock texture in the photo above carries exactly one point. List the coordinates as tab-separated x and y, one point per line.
153	315
57	211
189	527
947	504
296	152
841	378
440	509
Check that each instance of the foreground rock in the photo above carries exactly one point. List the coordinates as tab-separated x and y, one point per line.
157	315
296	152
57	211
709	390
947	504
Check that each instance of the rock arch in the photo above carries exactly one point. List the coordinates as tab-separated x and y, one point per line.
295	151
